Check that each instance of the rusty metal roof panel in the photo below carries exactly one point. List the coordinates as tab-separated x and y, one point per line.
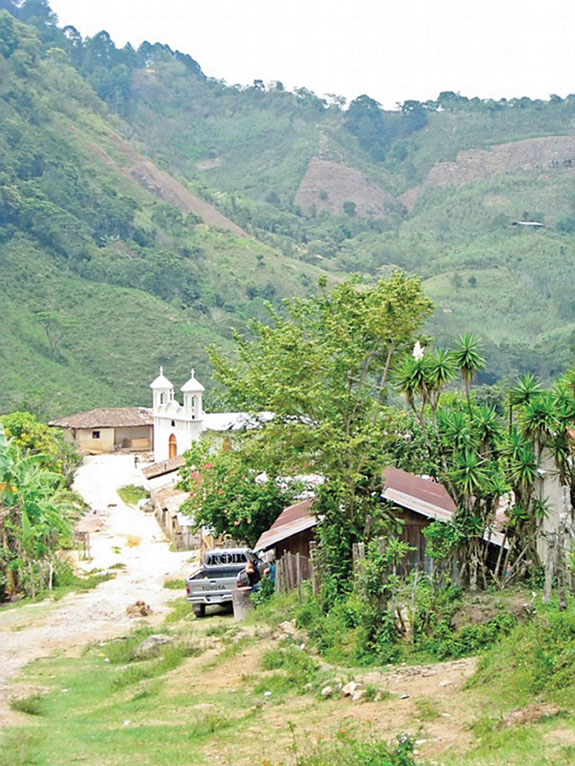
163	467
291	521
274	536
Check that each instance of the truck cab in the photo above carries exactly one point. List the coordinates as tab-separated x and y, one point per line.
214	580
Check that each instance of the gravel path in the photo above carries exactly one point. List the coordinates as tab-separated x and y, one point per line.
118	534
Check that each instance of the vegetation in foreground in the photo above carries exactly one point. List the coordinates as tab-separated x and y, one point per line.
216	689
37	510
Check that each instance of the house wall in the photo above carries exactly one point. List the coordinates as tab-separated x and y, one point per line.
299	543
550	490
86	443
136	438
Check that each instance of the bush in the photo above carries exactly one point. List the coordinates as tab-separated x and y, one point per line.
536	658
298	671
351	631
348	750
33	705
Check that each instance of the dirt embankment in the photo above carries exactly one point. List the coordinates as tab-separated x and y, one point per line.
327	185
165	187
479	164
471	165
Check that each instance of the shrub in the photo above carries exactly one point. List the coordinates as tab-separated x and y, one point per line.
33	705
348	750
298	671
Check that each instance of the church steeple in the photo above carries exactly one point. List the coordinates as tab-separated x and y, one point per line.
163	390
192	391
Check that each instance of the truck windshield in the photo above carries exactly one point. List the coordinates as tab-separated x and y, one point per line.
225	558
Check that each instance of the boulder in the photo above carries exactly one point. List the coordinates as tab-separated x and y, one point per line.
350	688
529	714
327	691
288	627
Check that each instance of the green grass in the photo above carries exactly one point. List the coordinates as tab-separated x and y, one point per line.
102	712
32	705
175	584
427	709
180	609
75	583
295	672
533	662
356	749
132	494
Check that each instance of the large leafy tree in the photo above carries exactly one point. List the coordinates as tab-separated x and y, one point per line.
35	518
228	495
323	368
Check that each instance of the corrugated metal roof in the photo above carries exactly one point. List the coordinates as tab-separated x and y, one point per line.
428	498
417	494
107	417
292	520
163	467
425	495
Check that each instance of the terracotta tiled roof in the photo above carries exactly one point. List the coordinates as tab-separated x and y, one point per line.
107	417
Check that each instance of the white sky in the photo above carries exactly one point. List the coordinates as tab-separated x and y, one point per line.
392	51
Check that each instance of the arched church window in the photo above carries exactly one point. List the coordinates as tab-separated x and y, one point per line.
173	423
162	398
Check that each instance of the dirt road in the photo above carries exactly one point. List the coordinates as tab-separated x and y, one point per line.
119	535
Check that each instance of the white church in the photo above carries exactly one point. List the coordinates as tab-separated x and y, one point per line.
167	430
176	426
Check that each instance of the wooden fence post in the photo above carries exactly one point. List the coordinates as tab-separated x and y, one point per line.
314	567
298	573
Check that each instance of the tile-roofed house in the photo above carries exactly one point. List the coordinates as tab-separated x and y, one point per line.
109	429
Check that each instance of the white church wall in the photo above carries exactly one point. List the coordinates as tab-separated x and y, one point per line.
172	420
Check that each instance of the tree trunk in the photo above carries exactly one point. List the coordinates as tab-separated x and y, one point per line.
549	567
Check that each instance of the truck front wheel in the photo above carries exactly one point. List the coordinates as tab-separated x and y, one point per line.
199	610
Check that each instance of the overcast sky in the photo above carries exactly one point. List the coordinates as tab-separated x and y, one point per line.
392	51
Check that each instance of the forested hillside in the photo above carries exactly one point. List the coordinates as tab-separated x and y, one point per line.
103	280
146	209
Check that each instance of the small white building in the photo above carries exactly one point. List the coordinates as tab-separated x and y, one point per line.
176	426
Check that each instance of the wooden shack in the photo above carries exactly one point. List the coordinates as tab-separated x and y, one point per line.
292	531
416	501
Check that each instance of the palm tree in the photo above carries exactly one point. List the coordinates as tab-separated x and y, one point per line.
467	356
525	389
412	379
539	420
486	427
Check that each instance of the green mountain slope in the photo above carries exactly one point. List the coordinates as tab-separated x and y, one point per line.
107	269
440	202
175	205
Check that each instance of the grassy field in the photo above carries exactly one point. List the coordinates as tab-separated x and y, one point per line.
218	692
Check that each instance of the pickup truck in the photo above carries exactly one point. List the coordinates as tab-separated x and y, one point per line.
214	581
